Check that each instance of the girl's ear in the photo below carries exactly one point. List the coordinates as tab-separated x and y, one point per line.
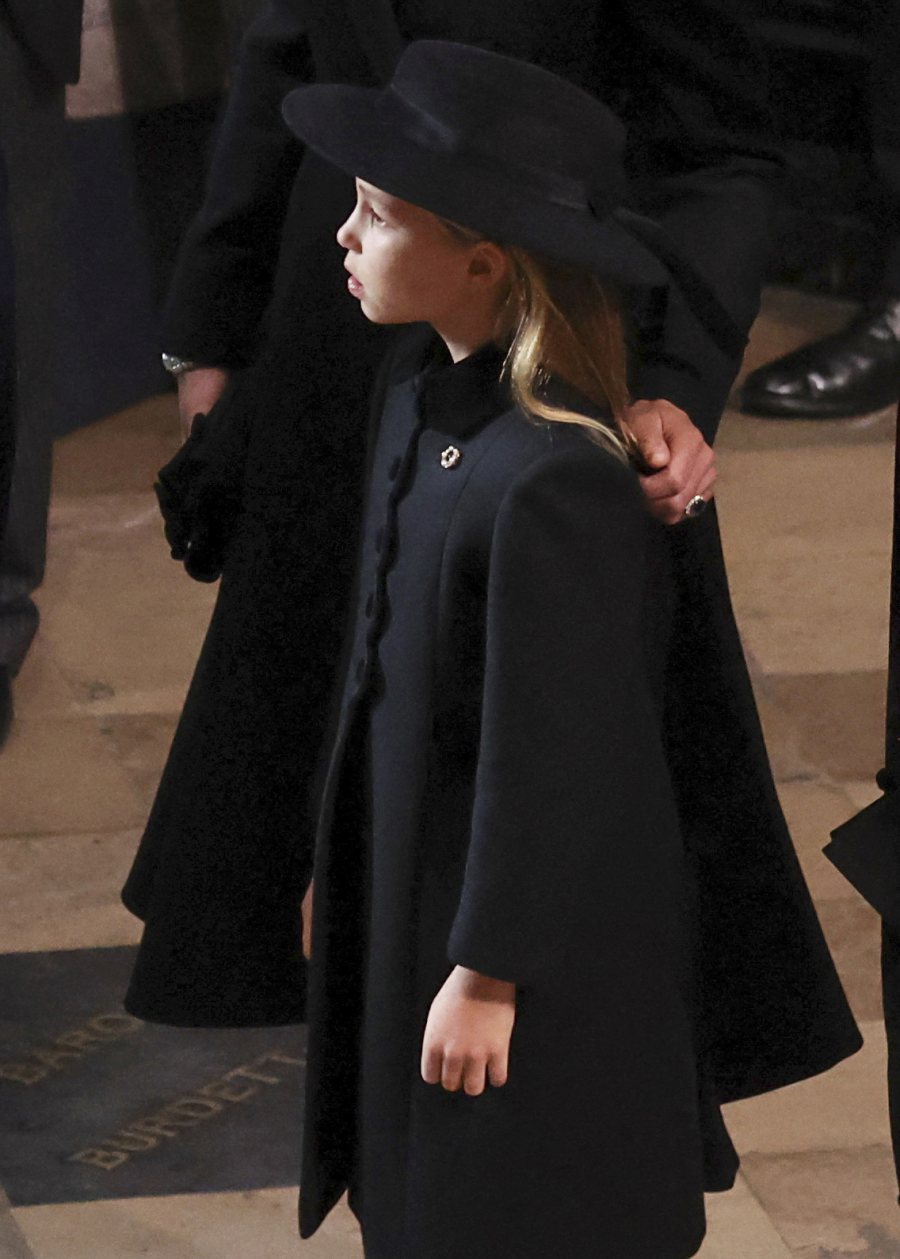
488	264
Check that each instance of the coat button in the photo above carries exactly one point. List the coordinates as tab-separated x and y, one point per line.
394	469
450	457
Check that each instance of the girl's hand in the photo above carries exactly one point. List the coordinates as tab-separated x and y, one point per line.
468	1032
306	909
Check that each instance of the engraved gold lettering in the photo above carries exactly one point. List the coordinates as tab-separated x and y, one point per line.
114	1024
184	1112
228	1092
184	1105
133	1141
275	1056
70	1047
157	1127
56	1059
81	1039
250	1074
107	1159
22	1072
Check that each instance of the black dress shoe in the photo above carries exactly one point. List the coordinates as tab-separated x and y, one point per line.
852	372
6	703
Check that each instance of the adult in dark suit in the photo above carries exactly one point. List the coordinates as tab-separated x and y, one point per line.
217	879
856	369
7	344
40	47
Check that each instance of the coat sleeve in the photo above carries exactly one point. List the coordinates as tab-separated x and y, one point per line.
225	271
569	736
701	124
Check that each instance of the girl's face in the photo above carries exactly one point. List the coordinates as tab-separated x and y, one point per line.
406	267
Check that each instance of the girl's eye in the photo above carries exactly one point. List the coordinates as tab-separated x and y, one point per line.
376	218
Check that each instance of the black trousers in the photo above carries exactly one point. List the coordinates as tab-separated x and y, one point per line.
7	349
890	971
32	117
883	32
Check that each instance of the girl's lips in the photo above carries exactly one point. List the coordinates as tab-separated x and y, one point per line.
354	286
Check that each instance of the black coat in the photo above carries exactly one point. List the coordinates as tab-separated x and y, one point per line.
501	765
51	31
228	846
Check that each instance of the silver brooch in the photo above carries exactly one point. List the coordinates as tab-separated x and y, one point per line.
450	457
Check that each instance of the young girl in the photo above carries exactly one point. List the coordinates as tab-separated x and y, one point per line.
513	1048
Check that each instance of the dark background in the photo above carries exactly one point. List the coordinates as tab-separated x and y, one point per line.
137	179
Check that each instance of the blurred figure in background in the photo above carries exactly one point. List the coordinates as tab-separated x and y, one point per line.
40	43
857	369
106	108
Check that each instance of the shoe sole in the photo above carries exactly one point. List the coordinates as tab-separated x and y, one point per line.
767	412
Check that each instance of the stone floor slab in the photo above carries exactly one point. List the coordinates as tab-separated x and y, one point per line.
257	1225
97	1104
862	792
121	619
62	892
140	742
809	569
58	776
831	1204
787	610
738	1227
837	719
853	931
122	453
41	689
843	1109
813	808
264	1223
794	437
12	1240
842	502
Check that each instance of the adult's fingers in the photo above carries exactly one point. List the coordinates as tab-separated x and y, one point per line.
681	476
707	489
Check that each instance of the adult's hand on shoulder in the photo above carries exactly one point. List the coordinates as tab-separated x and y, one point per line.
198	392
681	465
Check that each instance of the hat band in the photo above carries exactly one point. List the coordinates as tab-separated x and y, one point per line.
423	128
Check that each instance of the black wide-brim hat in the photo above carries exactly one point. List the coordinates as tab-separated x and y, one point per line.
509	150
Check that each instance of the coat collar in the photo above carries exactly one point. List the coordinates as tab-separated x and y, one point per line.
460	398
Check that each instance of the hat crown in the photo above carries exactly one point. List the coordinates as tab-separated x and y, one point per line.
469	100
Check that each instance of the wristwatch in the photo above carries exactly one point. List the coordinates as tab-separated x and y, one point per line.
177	366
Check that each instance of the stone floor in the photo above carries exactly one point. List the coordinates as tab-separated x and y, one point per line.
806	516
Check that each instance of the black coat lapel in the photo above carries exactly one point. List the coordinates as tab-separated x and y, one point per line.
378	34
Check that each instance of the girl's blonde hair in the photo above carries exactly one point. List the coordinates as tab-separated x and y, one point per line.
563	321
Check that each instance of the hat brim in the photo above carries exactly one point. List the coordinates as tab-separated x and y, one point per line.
369	133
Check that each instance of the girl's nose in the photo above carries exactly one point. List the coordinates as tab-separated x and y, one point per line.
346	237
